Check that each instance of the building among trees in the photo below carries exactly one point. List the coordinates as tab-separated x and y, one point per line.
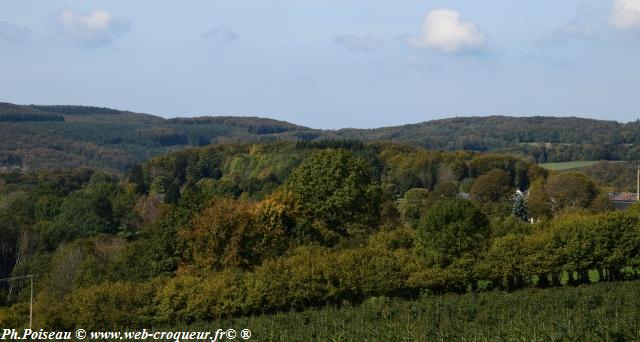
622	200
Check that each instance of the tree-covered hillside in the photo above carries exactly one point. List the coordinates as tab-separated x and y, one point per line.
59	137
546	139
236	230
54	137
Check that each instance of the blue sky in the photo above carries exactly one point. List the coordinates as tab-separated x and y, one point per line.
326	63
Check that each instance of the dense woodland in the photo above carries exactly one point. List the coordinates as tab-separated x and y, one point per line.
55	137
232	230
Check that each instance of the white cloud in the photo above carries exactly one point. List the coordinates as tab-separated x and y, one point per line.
13	34
97	28
354	42
625	15
577	29
580	28
222	34
444	30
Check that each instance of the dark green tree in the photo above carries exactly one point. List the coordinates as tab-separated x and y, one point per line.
450	229
491	187
570	190
520	206
335	188
413	204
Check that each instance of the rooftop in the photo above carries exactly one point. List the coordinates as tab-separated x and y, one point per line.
623	196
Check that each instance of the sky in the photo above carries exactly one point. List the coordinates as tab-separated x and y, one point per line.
326	63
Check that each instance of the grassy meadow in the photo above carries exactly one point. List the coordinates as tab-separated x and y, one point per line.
565	166
577	165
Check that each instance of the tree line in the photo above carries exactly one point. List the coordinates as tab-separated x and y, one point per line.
131	138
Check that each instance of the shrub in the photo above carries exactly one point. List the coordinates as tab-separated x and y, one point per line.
189	298
113	305
15	317
300	280
216	239
402	238
367	272
236	233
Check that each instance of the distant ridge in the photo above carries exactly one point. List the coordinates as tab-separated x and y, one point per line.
65	136
252	124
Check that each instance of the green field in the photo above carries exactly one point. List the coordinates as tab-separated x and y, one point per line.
565	166
598	312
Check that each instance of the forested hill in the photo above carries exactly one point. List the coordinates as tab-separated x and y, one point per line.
54	137
491	132
546	139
